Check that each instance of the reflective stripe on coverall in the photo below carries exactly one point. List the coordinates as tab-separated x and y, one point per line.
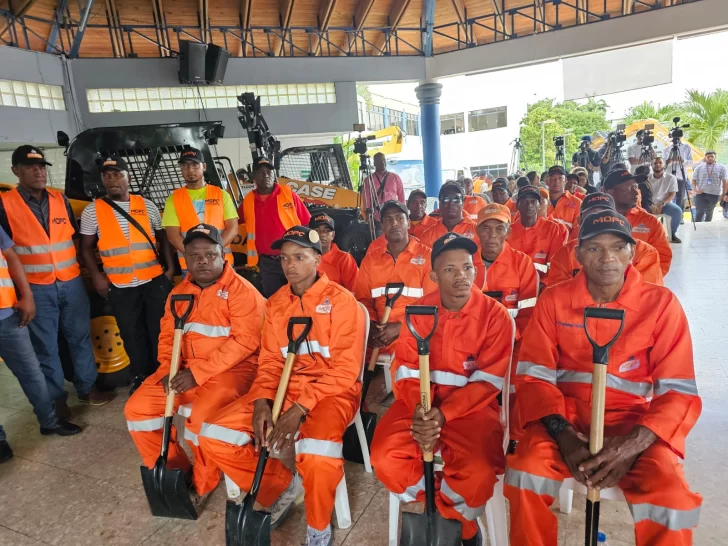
650	382
325	380
540	242
470	353
220	347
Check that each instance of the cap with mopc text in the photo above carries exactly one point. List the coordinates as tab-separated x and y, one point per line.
607	221
452	241
596	200
191	154
300	235
393	203
321	219
500	184
620	176
203	231
29	155
529	191
113	163
494	211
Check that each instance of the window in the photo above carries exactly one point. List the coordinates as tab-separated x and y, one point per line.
490	118
412	127
494	170
31	95
224	96
451	124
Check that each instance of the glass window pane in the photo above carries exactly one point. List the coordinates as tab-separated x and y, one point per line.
19	88
210	103
23	102
105	94
331	98
131	106
34	102
311	88
178	104
94	107
107	106
232	102
5	86
321	98
153	93
155	105
282	89
292	89
92	94
273	101
303	99
129	94
321	88
119	106
56	92
117	94
220	92
164	93
8	99
143	105
283	100
141	93
166	104
312	99
176	92
293	99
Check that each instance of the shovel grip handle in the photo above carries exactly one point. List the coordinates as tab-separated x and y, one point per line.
173	369
423	342
283	386
596	431
376	350
425	401
392	292
601	352
179	320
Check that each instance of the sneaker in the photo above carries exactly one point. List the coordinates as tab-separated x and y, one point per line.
95	397
5	452
62	428
477	540
136	383
675	239
282	507
63	412
320	538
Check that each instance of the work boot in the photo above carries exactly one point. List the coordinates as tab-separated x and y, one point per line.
320	538
5	452
136	383
477	540
95	397
63	412
61	428
284	504
675	239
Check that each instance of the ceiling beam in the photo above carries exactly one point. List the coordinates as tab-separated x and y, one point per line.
23	8
627	7
505	25
158	9
395	17
459	7
581	14
362	12
428	21
246	8
117	38
541	14
204	22
56	27
81	30
326	8
286	13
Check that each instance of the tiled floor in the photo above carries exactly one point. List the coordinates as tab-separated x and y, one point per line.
86	490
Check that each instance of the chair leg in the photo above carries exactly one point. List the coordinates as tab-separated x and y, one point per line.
233	491
393	520
363	442
495	514
341	505
566	497
387	378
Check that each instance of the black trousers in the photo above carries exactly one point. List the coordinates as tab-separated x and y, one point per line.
704	206
138	311
271	274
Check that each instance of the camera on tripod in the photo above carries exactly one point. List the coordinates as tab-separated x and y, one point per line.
360	143
648	137
618	138
559	141
676	133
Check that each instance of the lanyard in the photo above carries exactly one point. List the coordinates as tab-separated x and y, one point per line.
709	174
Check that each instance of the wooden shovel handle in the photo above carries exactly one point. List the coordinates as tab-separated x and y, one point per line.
283	386
173	369
596	431
425	394
375	350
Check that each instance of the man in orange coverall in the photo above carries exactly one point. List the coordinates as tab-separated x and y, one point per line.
219	357
652	400
564	265
322	397
468	364
563	206
340	267
419	220
472	203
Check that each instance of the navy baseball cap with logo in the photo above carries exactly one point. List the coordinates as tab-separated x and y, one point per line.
191	154
393	203
620	176
300	235
607	221
416	193
321	219
595	200
113	163
557	169
451	186
452	241
29	155
203	231
500	184
529	191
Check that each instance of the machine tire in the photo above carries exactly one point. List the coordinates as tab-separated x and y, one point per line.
355	240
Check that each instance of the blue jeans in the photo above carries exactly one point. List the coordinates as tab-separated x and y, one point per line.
63	304
17	352
675	213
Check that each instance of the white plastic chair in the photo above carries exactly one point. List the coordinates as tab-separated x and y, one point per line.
385	361
666	222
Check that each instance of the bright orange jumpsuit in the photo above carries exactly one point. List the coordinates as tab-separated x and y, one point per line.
646	260
511	204
325	380
465	227
220	347
540	242
648	228
468	363
472	204
650	382
340	267
566	210
416	230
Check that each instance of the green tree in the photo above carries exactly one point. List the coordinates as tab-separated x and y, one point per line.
647	110
352	159
570	118
707	114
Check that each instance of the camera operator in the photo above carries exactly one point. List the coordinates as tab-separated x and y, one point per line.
664	188
387	186
634	152
710	181
586	157
608	152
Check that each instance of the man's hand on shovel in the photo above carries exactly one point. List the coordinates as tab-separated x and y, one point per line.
426	427
262	421
284	431
387	333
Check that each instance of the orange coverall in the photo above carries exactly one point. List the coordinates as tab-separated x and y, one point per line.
340	267
416	230
566	210
325	380
646	260
650	382
540	242
472	204
648	228
511	204
469	360
467	228
220	347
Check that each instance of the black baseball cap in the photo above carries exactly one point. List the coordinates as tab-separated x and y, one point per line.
451	185
557	169
203	231
500	184
191	154
415	193
529	191
607	221
572	176
302	236
321	219
264	163
452	241
522	182
620	176
29	155
393	203
596	199
113	163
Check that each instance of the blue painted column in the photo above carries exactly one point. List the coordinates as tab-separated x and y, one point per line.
429	96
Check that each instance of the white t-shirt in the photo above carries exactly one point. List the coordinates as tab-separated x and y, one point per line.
90	226
687	154
667	183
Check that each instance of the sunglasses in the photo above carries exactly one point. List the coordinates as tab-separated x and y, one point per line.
451	199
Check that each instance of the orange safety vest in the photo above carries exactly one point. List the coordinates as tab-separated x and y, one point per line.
125	259
7	288
45	258
214	215
286	212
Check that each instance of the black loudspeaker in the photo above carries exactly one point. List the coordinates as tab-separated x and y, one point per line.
191	61
215	64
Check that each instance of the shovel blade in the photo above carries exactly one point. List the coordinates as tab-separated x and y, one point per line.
245	526
167	493
418	530
352	446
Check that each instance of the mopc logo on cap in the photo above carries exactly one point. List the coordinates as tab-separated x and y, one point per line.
609	220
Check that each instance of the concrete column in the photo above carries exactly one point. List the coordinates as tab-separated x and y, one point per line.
429	96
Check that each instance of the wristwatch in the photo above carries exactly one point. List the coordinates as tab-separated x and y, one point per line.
555	425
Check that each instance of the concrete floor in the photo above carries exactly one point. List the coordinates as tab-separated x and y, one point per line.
86	490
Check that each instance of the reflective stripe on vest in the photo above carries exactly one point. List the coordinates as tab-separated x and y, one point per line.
408	291
449	379
543	268
286	213
124	258
46	257
7	288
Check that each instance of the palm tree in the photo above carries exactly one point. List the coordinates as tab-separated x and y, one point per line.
593	105
707	114
647	110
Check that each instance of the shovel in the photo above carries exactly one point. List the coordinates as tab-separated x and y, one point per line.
599	384
244	526
430	528
166	489
352	446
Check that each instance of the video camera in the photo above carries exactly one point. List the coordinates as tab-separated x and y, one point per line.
559	141
648	137
360	143
676	133
618	138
